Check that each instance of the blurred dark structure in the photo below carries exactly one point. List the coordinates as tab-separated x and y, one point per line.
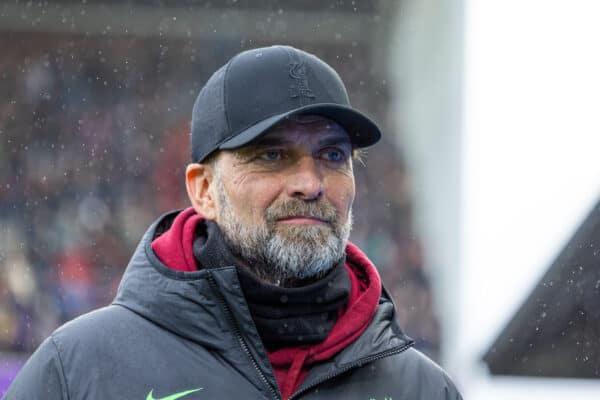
94	142
557	330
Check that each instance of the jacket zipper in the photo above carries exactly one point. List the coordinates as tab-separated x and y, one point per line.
356	364
239	336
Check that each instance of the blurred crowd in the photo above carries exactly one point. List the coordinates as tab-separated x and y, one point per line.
93	147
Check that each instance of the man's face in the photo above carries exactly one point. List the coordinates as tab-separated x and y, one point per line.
284	201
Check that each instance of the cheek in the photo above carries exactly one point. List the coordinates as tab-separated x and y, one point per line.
253	196
341	193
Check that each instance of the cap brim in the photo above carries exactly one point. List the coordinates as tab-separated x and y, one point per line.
361	129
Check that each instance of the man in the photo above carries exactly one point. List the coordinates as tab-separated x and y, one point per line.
254	291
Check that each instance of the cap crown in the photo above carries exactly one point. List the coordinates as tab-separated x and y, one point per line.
254	86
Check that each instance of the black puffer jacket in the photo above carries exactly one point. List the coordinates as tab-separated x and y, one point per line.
188	335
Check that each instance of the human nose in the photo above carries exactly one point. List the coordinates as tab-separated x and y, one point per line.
305	181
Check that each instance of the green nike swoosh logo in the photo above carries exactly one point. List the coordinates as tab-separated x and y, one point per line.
173	396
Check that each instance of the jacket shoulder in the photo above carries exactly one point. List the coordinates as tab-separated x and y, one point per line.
427	379
94	325
99	335
408	375
42	376
46	372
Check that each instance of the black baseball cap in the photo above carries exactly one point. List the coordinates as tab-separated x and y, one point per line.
258	88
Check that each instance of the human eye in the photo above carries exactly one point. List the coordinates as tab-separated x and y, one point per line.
334	155
270	155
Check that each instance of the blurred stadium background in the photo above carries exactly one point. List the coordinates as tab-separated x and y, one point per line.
480	206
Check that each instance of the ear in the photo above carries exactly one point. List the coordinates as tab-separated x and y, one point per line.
198	179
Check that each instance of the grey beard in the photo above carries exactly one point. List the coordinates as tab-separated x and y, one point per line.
282	254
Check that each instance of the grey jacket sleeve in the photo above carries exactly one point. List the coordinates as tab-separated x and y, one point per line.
41	377
451	392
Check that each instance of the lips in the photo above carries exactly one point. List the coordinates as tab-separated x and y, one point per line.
303	220
299	212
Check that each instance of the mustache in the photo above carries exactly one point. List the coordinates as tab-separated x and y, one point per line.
322	210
